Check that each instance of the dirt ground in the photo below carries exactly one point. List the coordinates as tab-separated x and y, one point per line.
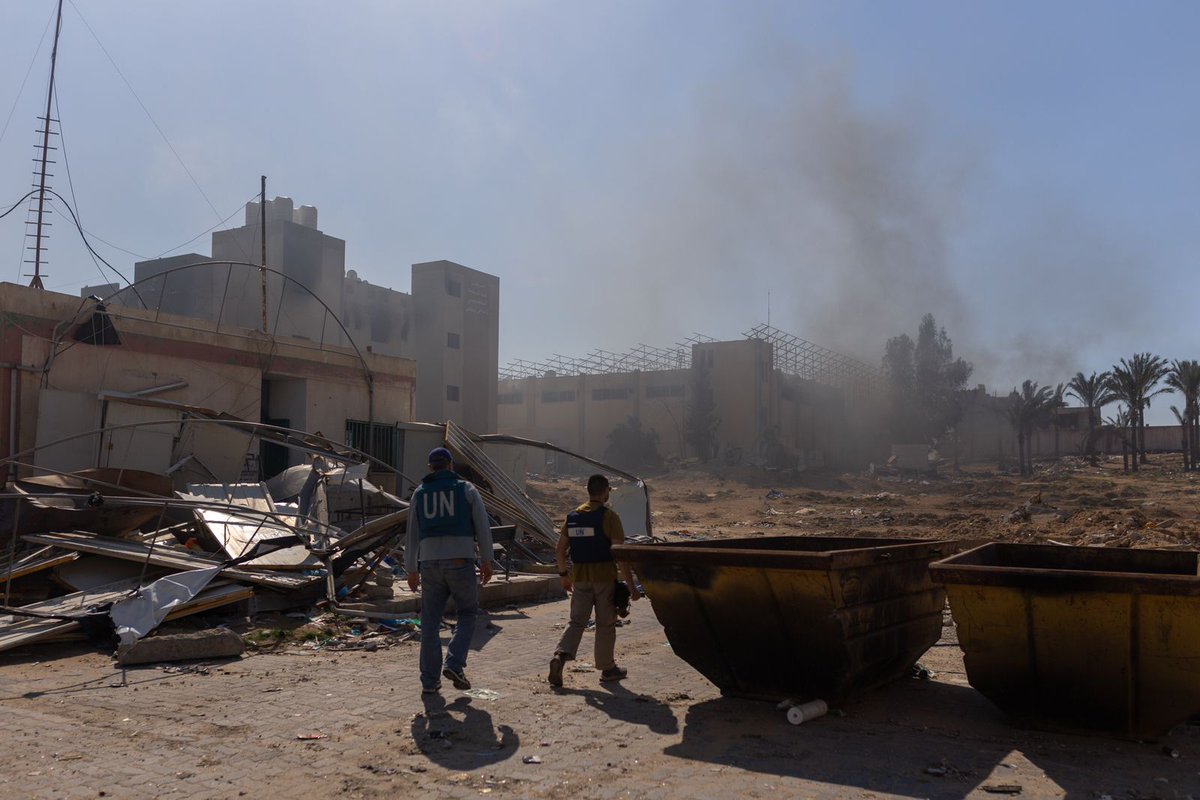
344	716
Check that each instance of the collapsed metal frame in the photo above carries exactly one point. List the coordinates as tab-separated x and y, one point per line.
792	356
796	356
640	358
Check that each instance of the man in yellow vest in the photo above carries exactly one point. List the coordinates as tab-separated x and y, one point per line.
587	537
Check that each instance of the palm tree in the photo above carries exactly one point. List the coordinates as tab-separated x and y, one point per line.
1120	423
1094	393
1183	421
1184	377
1056	402
1134	382
1026	410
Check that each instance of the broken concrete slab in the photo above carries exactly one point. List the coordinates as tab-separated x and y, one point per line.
214	643
520	589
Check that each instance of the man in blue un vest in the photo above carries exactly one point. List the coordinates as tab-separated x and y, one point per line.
587	537
446	524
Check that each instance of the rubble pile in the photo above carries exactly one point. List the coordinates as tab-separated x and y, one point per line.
111	554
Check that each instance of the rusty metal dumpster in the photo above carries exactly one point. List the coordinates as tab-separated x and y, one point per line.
794	617
1080	637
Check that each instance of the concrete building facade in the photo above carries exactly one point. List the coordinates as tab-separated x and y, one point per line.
455	339
81	369
449	323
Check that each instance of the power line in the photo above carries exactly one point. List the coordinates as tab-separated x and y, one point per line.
21	91
13	207
236	211
149	116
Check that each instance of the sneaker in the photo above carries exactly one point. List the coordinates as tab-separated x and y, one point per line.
556	667
614	674
431	689
457	678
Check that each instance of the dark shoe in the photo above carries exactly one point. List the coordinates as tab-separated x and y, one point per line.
431	689
614	674
457	678
556	666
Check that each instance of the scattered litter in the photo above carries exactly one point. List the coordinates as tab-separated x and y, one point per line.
774	494
482	694
922	672
305	737
1002	788
531	760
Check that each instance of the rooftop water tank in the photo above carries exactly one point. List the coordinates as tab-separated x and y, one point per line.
306	216
280	209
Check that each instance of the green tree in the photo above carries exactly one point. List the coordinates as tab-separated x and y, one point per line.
1120	423
1094	392
1027	410
925	383
1134	382
632	447
701	421
1184	425
1184	377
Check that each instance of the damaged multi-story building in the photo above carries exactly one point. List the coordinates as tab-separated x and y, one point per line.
300	343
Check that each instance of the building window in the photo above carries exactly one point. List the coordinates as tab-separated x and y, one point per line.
453	288
610	394
562	396
510	398
451	392
452	341
675	390
384	442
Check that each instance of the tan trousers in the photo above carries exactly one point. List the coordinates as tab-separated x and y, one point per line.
584	598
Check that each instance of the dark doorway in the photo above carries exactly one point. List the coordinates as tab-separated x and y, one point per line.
272	457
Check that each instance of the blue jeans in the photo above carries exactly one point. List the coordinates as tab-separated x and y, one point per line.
441	580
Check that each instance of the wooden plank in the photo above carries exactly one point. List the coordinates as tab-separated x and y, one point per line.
32	631
387	525
170	557
18	635
30	567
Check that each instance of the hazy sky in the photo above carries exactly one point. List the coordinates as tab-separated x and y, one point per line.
638	171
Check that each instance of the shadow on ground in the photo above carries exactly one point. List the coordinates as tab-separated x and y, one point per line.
460	736
637	709
935	740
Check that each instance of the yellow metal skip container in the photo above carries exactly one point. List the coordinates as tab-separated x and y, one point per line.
794	617
1085	638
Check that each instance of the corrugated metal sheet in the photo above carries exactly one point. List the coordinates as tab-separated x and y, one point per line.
505	494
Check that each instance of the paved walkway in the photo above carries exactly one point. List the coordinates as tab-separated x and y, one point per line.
312	723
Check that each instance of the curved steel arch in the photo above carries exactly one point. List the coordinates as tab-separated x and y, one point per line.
369	377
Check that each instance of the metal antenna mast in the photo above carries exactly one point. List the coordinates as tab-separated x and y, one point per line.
262	222
38	235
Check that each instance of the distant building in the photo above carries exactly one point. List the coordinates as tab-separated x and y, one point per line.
455	339
449	324
100	290
765	415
